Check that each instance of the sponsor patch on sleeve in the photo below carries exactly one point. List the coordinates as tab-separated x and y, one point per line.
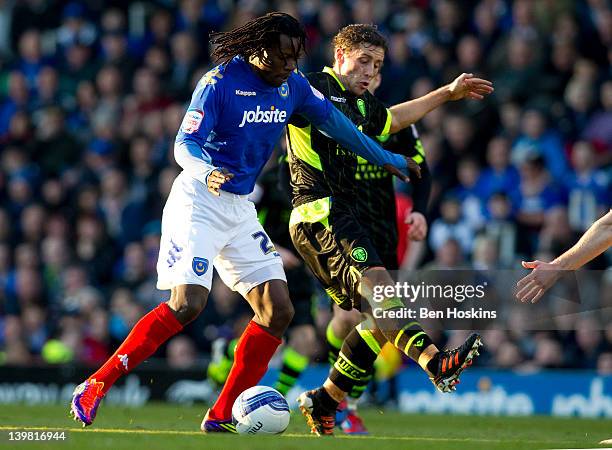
317	93
192	121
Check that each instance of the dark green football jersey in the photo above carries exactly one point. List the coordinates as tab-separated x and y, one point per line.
319	166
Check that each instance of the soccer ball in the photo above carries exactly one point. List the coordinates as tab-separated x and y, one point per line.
260	410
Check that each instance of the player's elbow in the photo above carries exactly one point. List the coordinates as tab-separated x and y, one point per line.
395	123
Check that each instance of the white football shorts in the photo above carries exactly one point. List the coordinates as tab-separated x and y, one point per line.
201	230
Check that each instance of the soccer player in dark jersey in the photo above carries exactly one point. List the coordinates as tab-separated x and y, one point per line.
236	115
329	233
376	205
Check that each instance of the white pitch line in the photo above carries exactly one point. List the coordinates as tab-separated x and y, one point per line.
287	435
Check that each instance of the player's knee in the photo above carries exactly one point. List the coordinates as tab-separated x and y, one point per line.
282	314
188	302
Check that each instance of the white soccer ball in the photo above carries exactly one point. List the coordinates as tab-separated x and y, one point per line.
260	410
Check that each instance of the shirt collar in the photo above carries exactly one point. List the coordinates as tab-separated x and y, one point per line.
330	71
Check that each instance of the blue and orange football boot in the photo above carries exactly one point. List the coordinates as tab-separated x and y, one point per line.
217	426
452	362
85	401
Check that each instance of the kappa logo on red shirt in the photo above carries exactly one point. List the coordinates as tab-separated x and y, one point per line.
192	121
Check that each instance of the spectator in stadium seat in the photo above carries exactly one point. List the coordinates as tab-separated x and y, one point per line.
181	353
559	67
508	355
94	248
447	257
159	60
486	25
604	364
17	98
75	28
78	295
124	312
32	222
96	338
55	149
499	175
510	118
55	257
20	194
537	195
47	90
16	352
451	225
131	271
548	354
30	61
20	131
588	188
142	173
109	85
35	330
186	61
598	130
580	103
486	254
469	192
115	53
53	196
77	65
469	57
458	136
516	74
556	234
539	137
79	118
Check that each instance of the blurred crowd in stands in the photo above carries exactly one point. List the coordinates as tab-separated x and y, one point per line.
92	94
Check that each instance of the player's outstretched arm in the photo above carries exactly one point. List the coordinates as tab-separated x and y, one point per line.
342	130
596	240
464	86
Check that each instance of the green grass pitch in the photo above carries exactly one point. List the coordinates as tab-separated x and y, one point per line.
163	426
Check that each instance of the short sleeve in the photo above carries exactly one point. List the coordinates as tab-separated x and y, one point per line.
203	111
380	117
310	102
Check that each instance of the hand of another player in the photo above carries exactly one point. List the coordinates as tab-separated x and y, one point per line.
216	178
532	287
412	167
418	226
466	86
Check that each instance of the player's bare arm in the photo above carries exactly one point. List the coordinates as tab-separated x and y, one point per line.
596	240
464	86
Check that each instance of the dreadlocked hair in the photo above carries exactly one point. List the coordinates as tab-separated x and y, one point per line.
256	36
